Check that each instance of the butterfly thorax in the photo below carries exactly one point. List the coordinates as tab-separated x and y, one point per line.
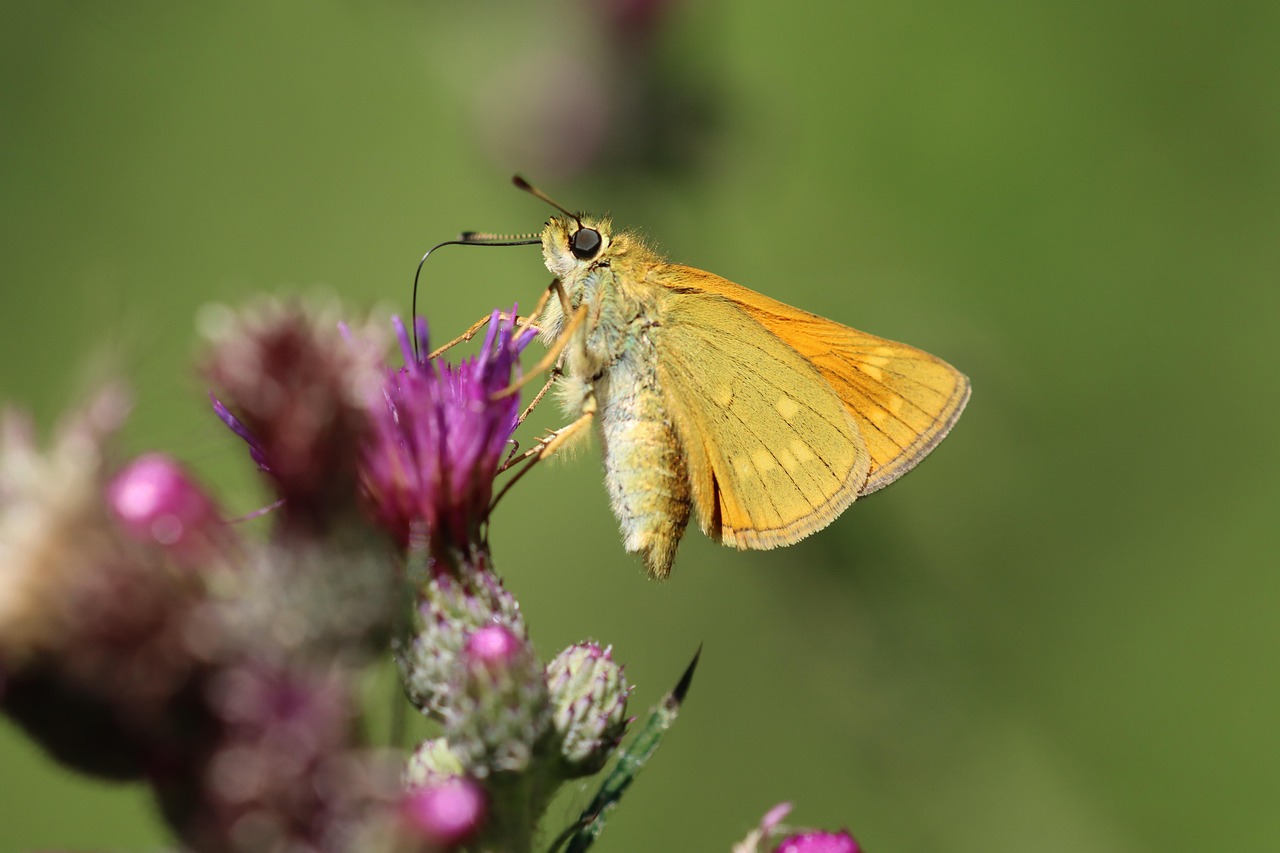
622	306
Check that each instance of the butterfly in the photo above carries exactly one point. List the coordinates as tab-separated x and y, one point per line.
762	421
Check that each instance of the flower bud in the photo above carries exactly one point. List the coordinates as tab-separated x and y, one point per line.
500	711
445	814
589	698
452	607
156	501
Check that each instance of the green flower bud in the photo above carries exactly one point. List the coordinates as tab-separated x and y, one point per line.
589	698
431	763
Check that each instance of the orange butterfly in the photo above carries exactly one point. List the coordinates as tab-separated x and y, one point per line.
763	420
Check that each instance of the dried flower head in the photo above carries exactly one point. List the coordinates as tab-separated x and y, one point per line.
93	624
284	772
295	387
50	516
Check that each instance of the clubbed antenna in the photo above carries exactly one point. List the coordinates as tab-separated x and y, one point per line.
537	193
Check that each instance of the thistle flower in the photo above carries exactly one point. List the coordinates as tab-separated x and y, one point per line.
240	708
300	382
819	842
437	441
493	648
809	841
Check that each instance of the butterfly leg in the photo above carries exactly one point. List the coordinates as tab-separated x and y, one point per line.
554	439
465	336
554	287
555	374
547	445
552	356
522	323
528	410
558	438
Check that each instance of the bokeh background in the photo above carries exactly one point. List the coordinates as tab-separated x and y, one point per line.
1059	634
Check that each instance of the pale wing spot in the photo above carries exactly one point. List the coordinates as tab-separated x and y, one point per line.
764	460
889	351
874	372
801	451
878	361
875	414
787	407
788	461
895	403
723	395
743	468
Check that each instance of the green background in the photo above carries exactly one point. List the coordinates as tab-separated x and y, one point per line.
1058	635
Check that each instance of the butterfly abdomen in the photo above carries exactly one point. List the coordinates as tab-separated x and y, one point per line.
644	468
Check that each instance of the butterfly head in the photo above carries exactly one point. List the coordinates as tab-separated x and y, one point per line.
572	245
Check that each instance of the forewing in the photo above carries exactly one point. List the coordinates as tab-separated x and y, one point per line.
773	455
903	399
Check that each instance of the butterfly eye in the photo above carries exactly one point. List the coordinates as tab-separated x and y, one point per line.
586	243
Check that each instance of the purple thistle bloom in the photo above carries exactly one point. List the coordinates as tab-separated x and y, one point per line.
438	437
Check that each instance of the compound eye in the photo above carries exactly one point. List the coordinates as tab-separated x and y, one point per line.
586	243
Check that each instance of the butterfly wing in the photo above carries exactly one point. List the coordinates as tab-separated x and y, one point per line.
903	399
772	453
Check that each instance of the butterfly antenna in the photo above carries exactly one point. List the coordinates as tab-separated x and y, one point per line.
466	238
537	193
